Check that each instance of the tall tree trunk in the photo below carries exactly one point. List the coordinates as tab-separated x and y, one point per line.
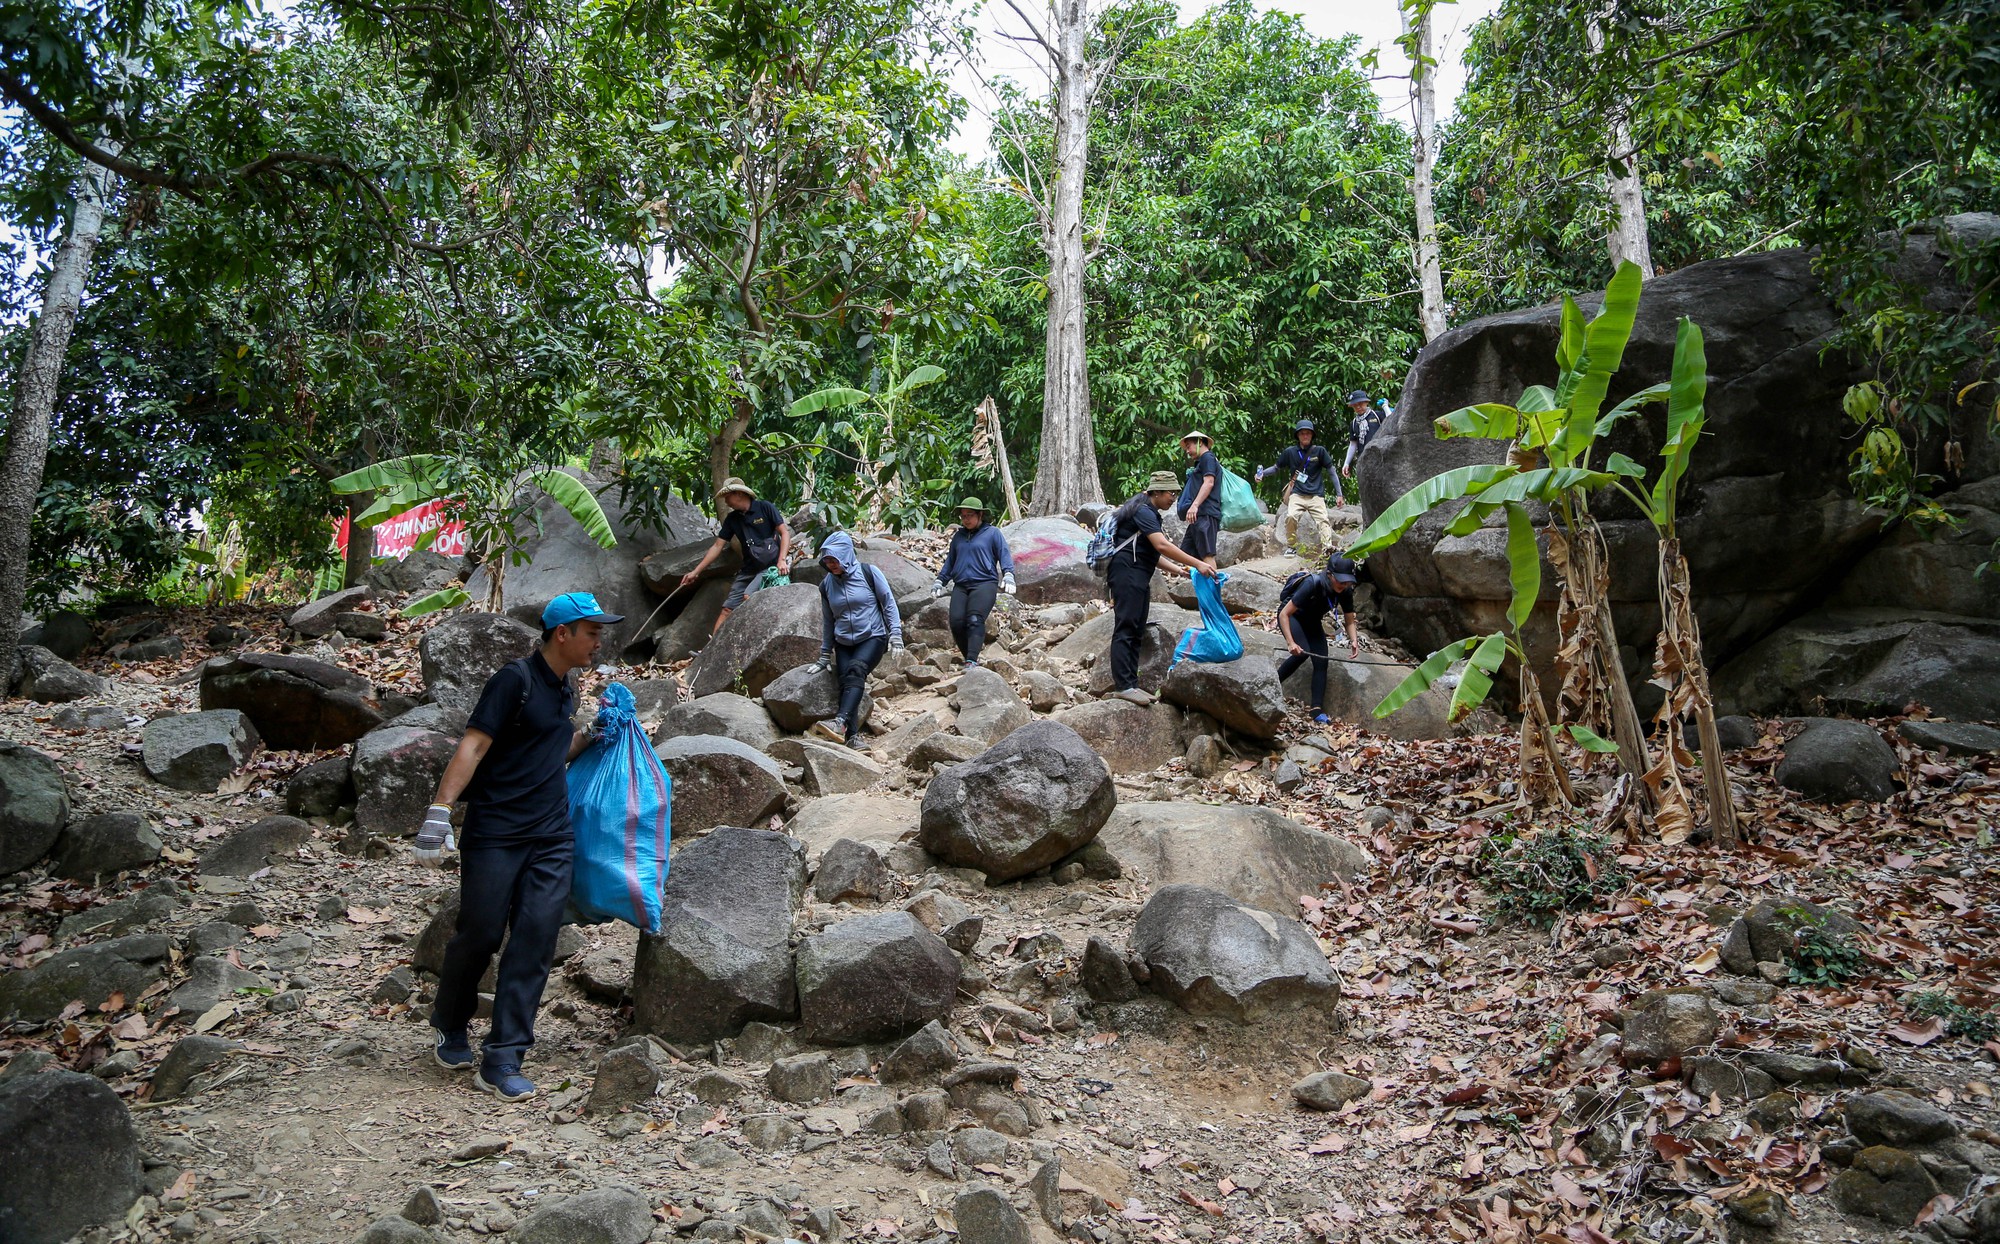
1423	113
35	385
1627	237
722	446
1066	474
360	541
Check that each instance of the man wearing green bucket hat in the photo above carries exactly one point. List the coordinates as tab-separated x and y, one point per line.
979	566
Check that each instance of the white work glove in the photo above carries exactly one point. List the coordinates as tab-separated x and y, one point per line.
434	839
895	643
937	589
1007	583
820	666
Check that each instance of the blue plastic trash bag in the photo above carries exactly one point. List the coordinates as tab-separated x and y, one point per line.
1240	511
1216	638
620	805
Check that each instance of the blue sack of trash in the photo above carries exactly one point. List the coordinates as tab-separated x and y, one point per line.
1216	638
620	806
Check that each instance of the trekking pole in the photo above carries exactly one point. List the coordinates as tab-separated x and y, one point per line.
662	605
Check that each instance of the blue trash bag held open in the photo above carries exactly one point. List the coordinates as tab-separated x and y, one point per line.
620	806
1216	638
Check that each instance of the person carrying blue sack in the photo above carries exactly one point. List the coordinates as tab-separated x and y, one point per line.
516	855
620	801
859	624
979	566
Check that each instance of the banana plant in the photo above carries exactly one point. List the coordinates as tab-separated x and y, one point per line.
404	483
1554	433
873	428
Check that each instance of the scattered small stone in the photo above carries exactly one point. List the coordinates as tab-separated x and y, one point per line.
424	1207
927	1052
190	1057
1898	1119
983	1215
801	1079
626	1076
717	1088
1885	1183
1330	1090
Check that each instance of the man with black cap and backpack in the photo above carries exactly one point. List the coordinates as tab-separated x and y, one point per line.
514	861
1304	602
1309	466
1138	546
1368	419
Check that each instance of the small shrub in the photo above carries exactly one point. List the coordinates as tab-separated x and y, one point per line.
1960	1020
1536	877
1821	955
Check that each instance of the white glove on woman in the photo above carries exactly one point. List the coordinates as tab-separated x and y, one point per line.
937	589
434	839
1007	583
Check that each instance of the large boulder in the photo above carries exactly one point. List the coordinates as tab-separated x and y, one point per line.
725	713
48	679
69	1157
1214	956
1242	694
724	957
1768	517
321	788
877	820
420	570
1129	737
196	751
321	617
1251	854
830	768
64	632
799	697
1938	568
1867	663
664	570
692	624
460	653
1354	688
718	781
105	845
396	772
775	630
1244	592
1838	760
296	703
1021	805
907	580
34	806
988	709
562	557
874	977
1048	561
89	974
256	847
600	1216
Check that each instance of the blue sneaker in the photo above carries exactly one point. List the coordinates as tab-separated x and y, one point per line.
1321	719
506	1082
453	1051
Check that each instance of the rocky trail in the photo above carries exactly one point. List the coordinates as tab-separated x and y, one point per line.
1209	974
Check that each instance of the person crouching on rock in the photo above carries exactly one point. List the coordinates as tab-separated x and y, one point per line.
764	534
859	623
1140	544
1302	622
979	565
514	861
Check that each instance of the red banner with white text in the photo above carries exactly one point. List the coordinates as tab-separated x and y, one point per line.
397	537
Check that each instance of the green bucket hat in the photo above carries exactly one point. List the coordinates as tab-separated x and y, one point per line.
971	503
1163	481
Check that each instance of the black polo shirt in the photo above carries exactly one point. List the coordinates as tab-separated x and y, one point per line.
1211	505
520	791
1137	522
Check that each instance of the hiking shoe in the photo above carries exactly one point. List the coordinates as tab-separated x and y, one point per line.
969	665
453	1051
1321	719
1290	551
830	730
1134	695
505	1082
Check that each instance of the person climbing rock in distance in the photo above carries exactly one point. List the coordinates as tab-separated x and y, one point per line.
1305	601
1200	504
1140	546
516	854
1309	466
978	565
859	624
762	531
1368	417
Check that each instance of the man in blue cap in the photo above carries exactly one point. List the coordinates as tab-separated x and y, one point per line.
514	860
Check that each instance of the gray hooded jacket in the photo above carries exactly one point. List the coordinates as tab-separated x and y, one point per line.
856	604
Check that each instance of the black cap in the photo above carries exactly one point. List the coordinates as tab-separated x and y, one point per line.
1359	395
1342	569
1305	425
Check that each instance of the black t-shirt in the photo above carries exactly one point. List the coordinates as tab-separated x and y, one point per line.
521	789
1315	598
1308	468
1137	521
1207	464
757	527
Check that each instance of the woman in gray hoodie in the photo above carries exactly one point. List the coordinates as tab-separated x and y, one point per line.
859	623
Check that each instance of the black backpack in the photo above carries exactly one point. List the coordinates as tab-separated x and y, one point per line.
1294	584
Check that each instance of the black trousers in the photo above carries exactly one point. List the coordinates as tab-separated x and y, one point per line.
515	892
1131	605
1313	640
1199	540
970	603
854	663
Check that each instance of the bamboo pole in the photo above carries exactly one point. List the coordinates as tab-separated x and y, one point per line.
989	415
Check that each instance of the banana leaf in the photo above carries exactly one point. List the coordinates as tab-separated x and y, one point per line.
1590	740
1524	565
1541	484
1477	680
1495	421
1451	485
1419	680
571	495
443	598
1685	414
836	398
927	374
392	474
1569	345
1630	406
1603	351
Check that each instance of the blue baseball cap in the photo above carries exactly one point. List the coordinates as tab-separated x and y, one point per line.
576	607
